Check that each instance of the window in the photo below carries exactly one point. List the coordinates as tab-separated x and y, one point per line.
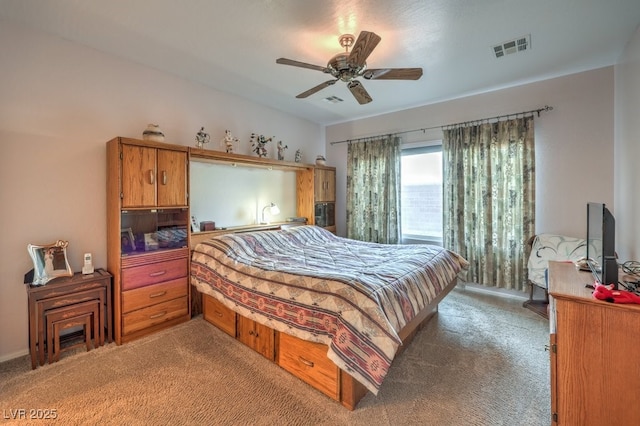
421	194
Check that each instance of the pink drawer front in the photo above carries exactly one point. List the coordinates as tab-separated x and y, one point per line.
153	273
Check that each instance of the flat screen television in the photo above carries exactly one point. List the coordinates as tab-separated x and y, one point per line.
601	242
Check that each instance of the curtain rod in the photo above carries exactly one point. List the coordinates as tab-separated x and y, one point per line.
537	111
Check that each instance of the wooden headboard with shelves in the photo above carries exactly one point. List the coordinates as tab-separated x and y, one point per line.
233	194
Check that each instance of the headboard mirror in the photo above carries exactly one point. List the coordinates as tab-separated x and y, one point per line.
231	194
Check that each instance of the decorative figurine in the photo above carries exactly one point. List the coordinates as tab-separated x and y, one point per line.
153	133
228	141
298	156
281	149
202	138
259	144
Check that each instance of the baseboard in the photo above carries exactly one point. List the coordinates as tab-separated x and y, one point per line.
495	291
9	357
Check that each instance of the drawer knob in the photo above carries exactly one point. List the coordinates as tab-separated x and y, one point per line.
158	315
157	274
306	362
218	313
158	294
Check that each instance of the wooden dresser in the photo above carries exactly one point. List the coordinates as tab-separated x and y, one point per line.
595	353
147	235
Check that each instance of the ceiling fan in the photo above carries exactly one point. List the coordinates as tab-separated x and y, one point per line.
347	66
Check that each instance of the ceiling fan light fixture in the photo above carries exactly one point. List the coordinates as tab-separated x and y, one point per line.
346	41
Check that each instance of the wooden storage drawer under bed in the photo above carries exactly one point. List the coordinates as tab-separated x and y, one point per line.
308	361
305	360
219	315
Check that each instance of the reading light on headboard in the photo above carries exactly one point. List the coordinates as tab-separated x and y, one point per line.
273	210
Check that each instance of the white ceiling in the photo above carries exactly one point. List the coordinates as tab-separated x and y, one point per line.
232	45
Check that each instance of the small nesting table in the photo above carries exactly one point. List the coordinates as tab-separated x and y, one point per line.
66	302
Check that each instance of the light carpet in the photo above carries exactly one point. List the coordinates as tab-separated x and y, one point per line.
480	361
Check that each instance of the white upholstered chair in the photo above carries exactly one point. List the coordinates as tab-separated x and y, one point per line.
546	247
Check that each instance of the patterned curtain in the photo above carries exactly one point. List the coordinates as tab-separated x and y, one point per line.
373	190
489	198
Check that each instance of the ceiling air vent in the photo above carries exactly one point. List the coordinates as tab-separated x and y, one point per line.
519	44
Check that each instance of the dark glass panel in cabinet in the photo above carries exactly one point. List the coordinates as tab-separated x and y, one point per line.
152	230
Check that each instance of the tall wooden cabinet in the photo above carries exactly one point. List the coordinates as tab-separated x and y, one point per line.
595	372
316	190
147	235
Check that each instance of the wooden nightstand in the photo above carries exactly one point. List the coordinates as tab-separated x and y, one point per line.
71	292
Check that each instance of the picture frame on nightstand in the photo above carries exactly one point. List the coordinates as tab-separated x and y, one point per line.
49	261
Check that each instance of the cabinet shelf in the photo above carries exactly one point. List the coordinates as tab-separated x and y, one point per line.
245	160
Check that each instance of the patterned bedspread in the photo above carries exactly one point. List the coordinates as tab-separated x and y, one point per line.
350	295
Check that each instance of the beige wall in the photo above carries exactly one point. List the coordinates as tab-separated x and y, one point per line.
627	153
59	103
574	142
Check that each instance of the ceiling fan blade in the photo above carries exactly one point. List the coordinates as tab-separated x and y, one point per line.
366	42
316	89
393	74
285	61
359	92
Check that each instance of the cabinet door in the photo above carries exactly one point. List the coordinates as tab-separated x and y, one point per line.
596	371
138	176
172	178
258	337
330	179
325	185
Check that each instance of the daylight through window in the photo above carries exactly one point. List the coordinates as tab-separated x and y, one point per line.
421	194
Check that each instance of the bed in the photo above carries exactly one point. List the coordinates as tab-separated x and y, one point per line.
359	302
